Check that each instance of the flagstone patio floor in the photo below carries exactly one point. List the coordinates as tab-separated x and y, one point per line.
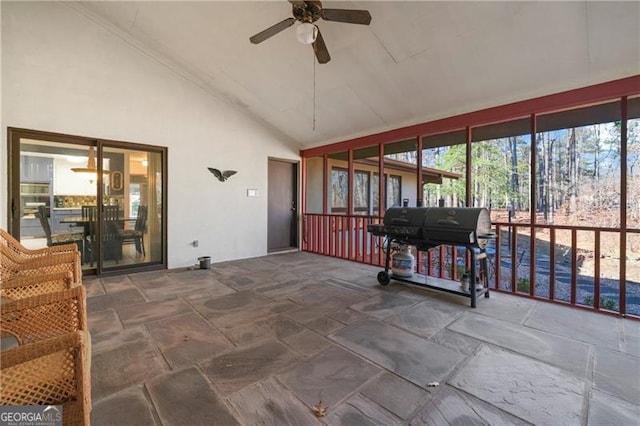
263	341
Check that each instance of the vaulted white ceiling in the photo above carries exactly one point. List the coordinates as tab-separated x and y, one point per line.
416	62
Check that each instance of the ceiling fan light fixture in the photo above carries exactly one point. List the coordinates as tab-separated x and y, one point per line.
306	33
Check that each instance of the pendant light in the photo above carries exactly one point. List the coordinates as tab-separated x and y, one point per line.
91	168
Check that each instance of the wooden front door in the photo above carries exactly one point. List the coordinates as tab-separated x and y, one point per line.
282	206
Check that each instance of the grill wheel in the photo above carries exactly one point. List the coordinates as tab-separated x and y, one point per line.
383	278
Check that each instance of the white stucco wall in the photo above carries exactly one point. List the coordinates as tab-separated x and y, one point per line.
63	72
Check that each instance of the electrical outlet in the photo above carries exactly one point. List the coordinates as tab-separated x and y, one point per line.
195	243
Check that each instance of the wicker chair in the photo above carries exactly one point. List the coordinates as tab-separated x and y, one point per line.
7	240
19	287
49	372
13	264
44	316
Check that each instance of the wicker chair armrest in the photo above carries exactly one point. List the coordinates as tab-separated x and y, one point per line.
46	315
58	262
63	279
51	259
62	248
25	353
14	245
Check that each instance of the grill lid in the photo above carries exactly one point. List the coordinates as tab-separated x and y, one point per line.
457	225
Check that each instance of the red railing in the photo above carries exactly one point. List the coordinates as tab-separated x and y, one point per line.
569	265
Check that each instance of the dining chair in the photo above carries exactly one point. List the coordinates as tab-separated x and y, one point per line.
112	224
58	239
136	235
89	217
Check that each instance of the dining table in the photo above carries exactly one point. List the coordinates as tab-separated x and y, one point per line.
112	246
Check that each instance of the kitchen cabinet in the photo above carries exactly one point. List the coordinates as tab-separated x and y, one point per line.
36	169
31	227
59	214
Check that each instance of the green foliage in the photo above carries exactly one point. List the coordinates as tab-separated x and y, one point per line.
605	303
524	284
460	270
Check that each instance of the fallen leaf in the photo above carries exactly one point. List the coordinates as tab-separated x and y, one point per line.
319	410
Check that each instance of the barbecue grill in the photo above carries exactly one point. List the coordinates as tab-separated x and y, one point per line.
429	227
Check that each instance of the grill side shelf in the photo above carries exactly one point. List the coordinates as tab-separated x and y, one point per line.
478	259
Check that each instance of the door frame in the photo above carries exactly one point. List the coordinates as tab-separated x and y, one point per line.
296	188
14	135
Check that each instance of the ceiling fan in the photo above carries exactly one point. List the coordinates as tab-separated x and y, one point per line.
307	12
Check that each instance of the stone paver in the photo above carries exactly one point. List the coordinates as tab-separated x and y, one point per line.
407	355
268	403
329	377
117	283
529	389
118	299
235	370
307	343
617	374
185	398
129	407
562	352
450	407
133	315
93	286
348	316
384	305
177	284
584	326
187	339
230	310
426	318
274	327
111	340
605	409
261	341
324	325
631	337
458	342
127	365
397	395
361	411
102	322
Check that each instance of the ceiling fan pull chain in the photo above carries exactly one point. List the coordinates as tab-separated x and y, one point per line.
313	58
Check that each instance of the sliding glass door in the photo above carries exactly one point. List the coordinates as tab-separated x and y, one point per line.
132	205
106	197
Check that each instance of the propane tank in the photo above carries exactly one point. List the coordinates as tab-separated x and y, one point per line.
402	262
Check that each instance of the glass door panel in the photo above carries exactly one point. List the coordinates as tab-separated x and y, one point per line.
132	203
56	180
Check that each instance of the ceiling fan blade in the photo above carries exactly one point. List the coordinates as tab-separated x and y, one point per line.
349	16
320	49
271	31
